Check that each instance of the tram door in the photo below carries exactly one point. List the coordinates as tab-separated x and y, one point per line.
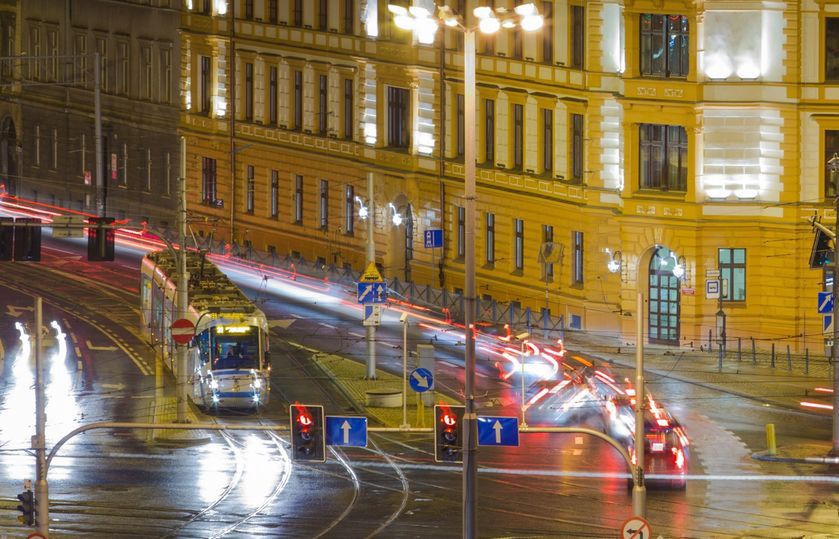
664	298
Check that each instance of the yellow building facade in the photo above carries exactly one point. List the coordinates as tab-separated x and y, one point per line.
674	148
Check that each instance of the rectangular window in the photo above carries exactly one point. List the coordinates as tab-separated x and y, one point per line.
272	12
460	125
148	170
349	210
125	165
547	141
348	108
322	105
208	181
275	194
490	240
298	100
547	238
166	68
547	32
322	13
35	62
489	130
461	231
665	50
517	42
732	265
518	136
249	92
122	69
80	52
398	119
831	148
663	157
102	49
349	16
577	143
518	244
324	205
204	87
83	156
272	95
297	13
167	188
578	37
37	145
53	62
249	10
831	49
54	148
577	268
298	199
249	189
147	74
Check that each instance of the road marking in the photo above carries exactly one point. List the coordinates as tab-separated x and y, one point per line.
106	348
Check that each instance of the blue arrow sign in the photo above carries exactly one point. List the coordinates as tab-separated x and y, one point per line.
494	430
433	238
827	323
421	380
346	431
825	302
372	292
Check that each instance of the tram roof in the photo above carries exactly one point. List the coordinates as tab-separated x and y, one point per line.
209	287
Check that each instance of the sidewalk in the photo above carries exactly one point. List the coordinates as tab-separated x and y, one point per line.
776	386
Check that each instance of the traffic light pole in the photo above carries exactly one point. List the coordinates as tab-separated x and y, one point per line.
183	284
639	489
834	176
41	489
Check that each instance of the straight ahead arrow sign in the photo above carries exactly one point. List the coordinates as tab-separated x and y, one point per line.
345	427
497	428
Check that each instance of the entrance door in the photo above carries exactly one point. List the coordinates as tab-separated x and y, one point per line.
664	298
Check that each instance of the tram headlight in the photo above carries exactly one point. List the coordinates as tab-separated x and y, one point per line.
213	384
256	398
215	398
257	383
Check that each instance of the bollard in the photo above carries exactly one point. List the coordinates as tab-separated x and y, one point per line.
739	353
806	361
770	439
719	361
789	360
710	346
754	356
772	364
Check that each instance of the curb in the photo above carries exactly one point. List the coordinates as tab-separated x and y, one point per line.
764	457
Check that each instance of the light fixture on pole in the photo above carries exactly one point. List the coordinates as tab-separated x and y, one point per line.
615	261
523	337
489	21
363	211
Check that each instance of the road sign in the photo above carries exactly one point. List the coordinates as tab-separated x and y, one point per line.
712	289
712	274
36	535
61	226
825	302
827	324
636	528
494	430
421	380
433	238
183	331
346	430
371	274
372	315
375	292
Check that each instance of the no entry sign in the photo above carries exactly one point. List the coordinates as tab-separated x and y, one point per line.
183	331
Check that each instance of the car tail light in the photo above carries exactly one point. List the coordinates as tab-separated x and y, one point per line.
680	458
657	447
663	423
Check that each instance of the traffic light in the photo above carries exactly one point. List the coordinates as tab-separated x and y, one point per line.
26	508
448	433
100	239
307	439
7	236
27	240
821	254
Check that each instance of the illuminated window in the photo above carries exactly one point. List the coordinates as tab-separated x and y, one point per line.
732	265
831	148
398	117
831	49
665	50
208	181
663	157
249	189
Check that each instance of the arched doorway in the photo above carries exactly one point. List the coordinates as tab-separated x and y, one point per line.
8	156
664	298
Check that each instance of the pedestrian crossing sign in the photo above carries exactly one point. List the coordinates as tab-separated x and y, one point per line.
371	274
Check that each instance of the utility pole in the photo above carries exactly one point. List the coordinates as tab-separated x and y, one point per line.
370	333
97	131
41	489
639	489
833	166
183	284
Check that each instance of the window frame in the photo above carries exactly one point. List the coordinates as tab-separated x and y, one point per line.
547	267
205	82
297	118
577	125
654	144
547	32
275	194
489	252
547	141
349	209
324	205
323	88
298	199
349	105
250	188
209	181
577	55
727	271
489	131
518	244
667	65
518	136
273	80
578	261
248	91
461	232
460	147
398	117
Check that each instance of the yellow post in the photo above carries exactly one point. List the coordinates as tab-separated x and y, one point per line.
420	411
770	438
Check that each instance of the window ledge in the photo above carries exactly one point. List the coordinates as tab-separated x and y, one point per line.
657	193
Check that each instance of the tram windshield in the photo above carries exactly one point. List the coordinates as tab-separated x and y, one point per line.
234	347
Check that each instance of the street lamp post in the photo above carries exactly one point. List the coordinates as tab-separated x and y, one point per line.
833	166
421	21
523	338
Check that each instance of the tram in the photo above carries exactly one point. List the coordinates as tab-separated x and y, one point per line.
227	360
